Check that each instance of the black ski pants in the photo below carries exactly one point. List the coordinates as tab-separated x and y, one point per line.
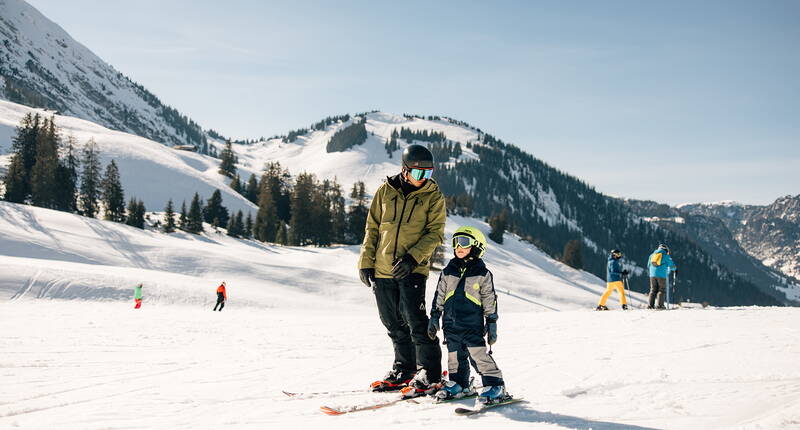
220	302
401	306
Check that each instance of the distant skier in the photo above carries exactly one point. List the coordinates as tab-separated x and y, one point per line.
614	276
222	296
660	265
404	226
465	295
137	296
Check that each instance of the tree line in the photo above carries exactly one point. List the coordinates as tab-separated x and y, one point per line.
47	172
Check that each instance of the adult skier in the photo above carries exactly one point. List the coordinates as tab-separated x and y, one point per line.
614	275
137	296
404	226
222	296
660	264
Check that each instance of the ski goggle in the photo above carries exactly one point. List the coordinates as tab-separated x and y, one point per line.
420	174
464	242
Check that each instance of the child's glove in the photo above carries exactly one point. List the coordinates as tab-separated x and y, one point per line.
433	326
491	329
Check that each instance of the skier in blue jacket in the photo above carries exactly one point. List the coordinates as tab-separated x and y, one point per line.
660	265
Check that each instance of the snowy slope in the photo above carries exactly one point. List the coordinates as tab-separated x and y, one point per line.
52	254
41	65
149	171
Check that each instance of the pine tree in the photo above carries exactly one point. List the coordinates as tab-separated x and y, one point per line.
236	184
266	218
302	224
18	178
282	237
184	218
214	213
228	160
357	216
248	226
44	188
136	212
90	180
169	218
235	227
338	214
499	224
112	194
194	219
67	177
572	254
252	189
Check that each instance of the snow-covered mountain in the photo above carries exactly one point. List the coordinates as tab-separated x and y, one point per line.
43	66
770	233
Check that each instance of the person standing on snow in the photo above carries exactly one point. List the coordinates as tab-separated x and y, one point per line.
137	296
660	265
614	276
222	296
465	296
404	226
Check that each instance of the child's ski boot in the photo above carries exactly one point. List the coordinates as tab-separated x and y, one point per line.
419	386
395	380
601	308
492	395
453	390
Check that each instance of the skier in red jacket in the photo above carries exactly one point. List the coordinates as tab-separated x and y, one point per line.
222	296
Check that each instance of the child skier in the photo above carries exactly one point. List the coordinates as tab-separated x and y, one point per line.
222	296
137	296
614	275
465	295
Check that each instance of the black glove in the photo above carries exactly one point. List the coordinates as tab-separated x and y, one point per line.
433	326
367	276
403	266
491	332
625	273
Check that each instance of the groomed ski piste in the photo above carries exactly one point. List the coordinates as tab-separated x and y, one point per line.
76	355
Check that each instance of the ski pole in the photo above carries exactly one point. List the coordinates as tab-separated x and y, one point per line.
674	282
628	288
667	288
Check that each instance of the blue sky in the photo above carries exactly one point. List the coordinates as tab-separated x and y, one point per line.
670	101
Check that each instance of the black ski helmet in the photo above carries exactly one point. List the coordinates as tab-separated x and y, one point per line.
616	253
664	247
417	156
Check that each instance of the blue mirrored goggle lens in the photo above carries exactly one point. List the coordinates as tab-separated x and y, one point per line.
462	242
419	174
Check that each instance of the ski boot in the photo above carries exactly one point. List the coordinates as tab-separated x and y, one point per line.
624	307
419	386
395	380
453	390
491	395
601	308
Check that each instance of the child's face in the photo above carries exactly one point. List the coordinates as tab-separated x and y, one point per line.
462	252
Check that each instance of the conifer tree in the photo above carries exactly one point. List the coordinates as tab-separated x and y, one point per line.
44	188
112	194
184	218
338	214
251	190
266	218
136	212
90	180
248	226
235	227
18	178
357	216
169	218
227	165
499	224
67	177
194	219
302	226
572	254
214	213
236	184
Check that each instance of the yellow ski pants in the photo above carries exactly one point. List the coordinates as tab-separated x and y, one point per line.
610	288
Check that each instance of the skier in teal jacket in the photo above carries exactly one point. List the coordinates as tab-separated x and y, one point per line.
660	264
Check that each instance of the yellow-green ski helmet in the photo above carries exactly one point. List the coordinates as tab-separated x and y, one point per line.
478	240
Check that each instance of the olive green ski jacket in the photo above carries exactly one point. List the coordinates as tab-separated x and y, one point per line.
398	225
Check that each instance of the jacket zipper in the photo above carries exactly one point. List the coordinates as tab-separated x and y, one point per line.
394	215
397	235
412	211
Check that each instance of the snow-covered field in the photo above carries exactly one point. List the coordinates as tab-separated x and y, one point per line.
102	365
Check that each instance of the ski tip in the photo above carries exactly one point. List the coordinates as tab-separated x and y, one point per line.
288	393
330	411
